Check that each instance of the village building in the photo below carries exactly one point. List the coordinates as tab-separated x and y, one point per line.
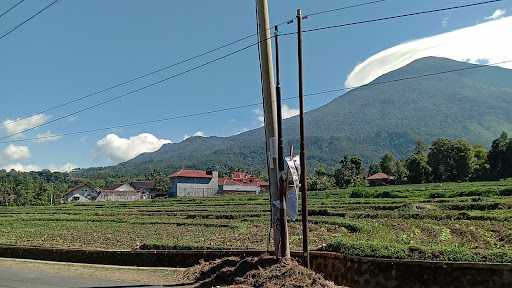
193	183
147	188
241	183
81	193
380	179
198	183
121	192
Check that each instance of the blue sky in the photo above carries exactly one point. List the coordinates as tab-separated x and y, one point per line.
78	47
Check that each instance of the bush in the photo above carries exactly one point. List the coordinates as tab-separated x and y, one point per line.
438	194
388	194
358	193
505	192
451	253
476	192
368	249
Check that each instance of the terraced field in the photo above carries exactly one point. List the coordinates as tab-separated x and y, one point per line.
453	222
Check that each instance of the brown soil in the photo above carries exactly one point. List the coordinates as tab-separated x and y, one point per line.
264	272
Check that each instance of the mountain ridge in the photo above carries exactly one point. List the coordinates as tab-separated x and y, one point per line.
369	121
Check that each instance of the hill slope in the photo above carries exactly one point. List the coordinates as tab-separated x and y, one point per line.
473	104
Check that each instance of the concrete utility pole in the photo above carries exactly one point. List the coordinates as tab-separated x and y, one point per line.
270	112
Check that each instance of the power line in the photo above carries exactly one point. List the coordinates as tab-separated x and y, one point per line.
10	8
161	69
153	72
130	92
410	78
219	110
343	8
240	50
398	16
28	19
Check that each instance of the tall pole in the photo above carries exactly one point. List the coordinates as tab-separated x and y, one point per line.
303	181
283	186
270	112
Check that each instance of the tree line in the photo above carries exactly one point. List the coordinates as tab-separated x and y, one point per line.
43	188
444	160
33	188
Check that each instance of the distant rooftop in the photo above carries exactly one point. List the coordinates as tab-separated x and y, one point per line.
380	176
191	174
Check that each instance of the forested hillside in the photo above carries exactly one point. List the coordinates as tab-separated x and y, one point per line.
472	104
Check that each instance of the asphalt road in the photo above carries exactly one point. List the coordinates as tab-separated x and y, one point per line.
36	274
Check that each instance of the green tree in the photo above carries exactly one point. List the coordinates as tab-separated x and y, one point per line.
451	160
500	156
400	172
417	165
349	172
387	164
373	169
321	180
161	181
481	168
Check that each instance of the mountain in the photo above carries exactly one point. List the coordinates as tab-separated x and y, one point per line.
473	104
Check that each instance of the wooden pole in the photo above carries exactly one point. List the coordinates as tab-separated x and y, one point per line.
283	186
303	179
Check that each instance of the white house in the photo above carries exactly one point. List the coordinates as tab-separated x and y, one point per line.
121	192
81	193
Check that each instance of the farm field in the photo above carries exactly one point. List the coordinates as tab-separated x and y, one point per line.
448	222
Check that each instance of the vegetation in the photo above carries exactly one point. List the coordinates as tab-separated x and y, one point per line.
450	221
445	161
33	188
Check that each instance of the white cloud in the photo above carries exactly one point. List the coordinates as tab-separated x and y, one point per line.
13	152
288	112
445	21
497	14
261	117
489	40
242	131
47	137
119	149
21	167
62	168
31	167
197	134
20	124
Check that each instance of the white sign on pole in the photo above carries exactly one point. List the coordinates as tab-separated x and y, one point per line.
293	182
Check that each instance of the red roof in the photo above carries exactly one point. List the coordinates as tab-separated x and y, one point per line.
242	179
191	174
380	176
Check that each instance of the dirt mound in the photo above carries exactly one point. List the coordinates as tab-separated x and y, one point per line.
264	272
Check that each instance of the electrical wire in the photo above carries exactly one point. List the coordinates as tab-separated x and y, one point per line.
112	99
410	78
28	19
167	67
232	108
11	8
242	49
343	8
400	16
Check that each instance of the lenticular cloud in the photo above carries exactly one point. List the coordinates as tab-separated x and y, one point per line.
488	42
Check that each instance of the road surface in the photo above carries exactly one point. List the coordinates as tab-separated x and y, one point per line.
42	274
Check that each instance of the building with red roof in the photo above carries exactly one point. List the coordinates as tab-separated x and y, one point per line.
193	183
241	183
380	179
